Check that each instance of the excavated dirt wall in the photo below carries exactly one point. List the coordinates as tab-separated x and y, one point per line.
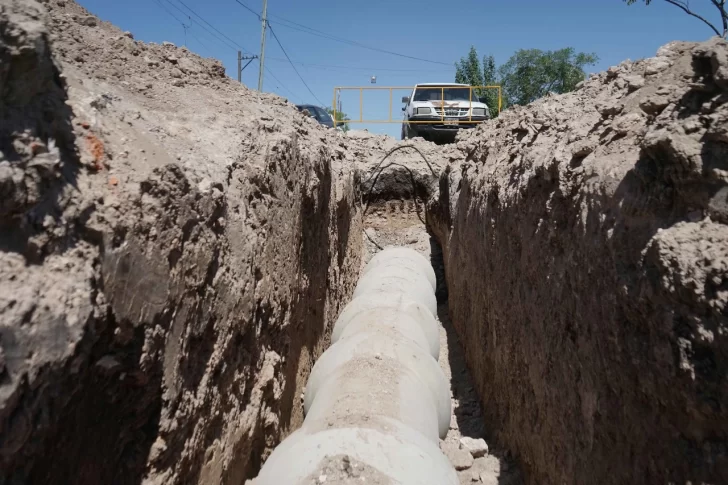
586	250
169	265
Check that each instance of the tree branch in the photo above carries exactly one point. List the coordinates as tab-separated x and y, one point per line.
720	5
687	10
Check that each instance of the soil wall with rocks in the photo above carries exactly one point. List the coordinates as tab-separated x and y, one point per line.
169	266
586	250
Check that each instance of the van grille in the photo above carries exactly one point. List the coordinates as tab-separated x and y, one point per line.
452	111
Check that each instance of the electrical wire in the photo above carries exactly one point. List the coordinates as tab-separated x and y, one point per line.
273	33
281	85
212	26
185	27
200	42
319	33
161	5
379	169
234	46
330	66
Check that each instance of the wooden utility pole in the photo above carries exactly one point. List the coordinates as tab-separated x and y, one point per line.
262	45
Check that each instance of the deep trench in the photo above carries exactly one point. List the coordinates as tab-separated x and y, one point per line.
397	223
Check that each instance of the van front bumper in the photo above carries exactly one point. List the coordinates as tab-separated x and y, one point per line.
435	124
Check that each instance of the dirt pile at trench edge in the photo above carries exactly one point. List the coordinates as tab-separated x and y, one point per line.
169	265
586	250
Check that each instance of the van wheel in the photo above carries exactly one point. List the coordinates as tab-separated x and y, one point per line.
406	132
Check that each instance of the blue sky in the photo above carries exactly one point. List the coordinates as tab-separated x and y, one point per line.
428	29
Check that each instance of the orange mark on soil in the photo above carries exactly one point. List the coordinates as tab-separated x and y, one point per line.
96	147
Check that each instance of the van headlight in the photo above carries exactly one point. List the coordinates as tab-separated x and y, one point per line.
478	111
423	111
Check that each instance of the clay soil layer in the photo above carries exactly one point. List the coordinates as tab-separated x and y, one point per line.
586	250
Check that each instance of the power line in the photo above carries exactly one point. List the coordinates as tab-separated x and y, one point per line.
248	8
208	23
292	65
161	5
319	33
330	66
280	83
234	45
201	43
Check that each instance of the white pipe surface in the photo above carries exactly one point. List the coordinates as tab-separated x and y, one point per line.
377	396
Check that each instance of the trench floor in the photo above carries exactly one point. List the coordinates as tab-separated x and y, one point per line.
397	223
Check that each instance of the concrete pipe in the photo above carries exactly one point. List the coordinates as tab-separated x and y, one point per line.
377	397
379	345
403	257
366	386
394	451
395	279
398	303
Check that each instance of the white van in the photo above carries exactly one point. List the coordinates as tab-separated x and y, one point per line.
447	107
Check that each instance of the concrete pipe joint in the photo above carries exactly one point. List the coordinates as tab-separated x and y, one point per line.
377	397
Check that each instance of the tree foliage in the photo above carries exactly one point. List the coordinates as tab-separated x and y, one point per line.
684	5
469	70
341	119
532	73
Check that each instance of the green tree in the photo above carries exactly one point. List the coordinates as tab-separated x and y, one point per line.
340	118
684	5
532	73
490	78
468	70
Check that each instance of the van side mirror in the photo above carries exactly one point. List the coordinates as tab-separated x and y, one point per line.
405	99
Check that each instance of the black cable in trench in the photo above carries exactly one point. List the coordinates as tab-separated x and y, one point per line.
379	169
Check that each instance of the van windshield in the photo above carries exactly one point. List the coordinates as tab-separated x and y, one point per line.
451	93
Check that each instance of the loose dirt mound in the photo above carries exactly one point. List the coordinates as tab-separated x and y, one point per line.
586	248
172	250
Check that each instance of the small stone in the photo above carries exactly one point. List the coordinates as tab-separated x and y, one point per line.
460	459
322	479
656	65
634	82
488	478
453	422
655	104
129	34
108	363
88	21
176	73
178	83
476	447
167	44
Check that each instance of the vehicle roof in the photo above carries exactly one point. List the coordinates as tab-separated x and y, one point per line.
440	84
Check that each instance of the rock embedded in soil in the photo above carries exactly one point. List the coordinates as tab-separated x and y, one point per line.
460	459
476	447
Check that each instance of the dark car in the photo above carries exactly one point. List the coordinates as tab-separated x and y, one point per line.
317	113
